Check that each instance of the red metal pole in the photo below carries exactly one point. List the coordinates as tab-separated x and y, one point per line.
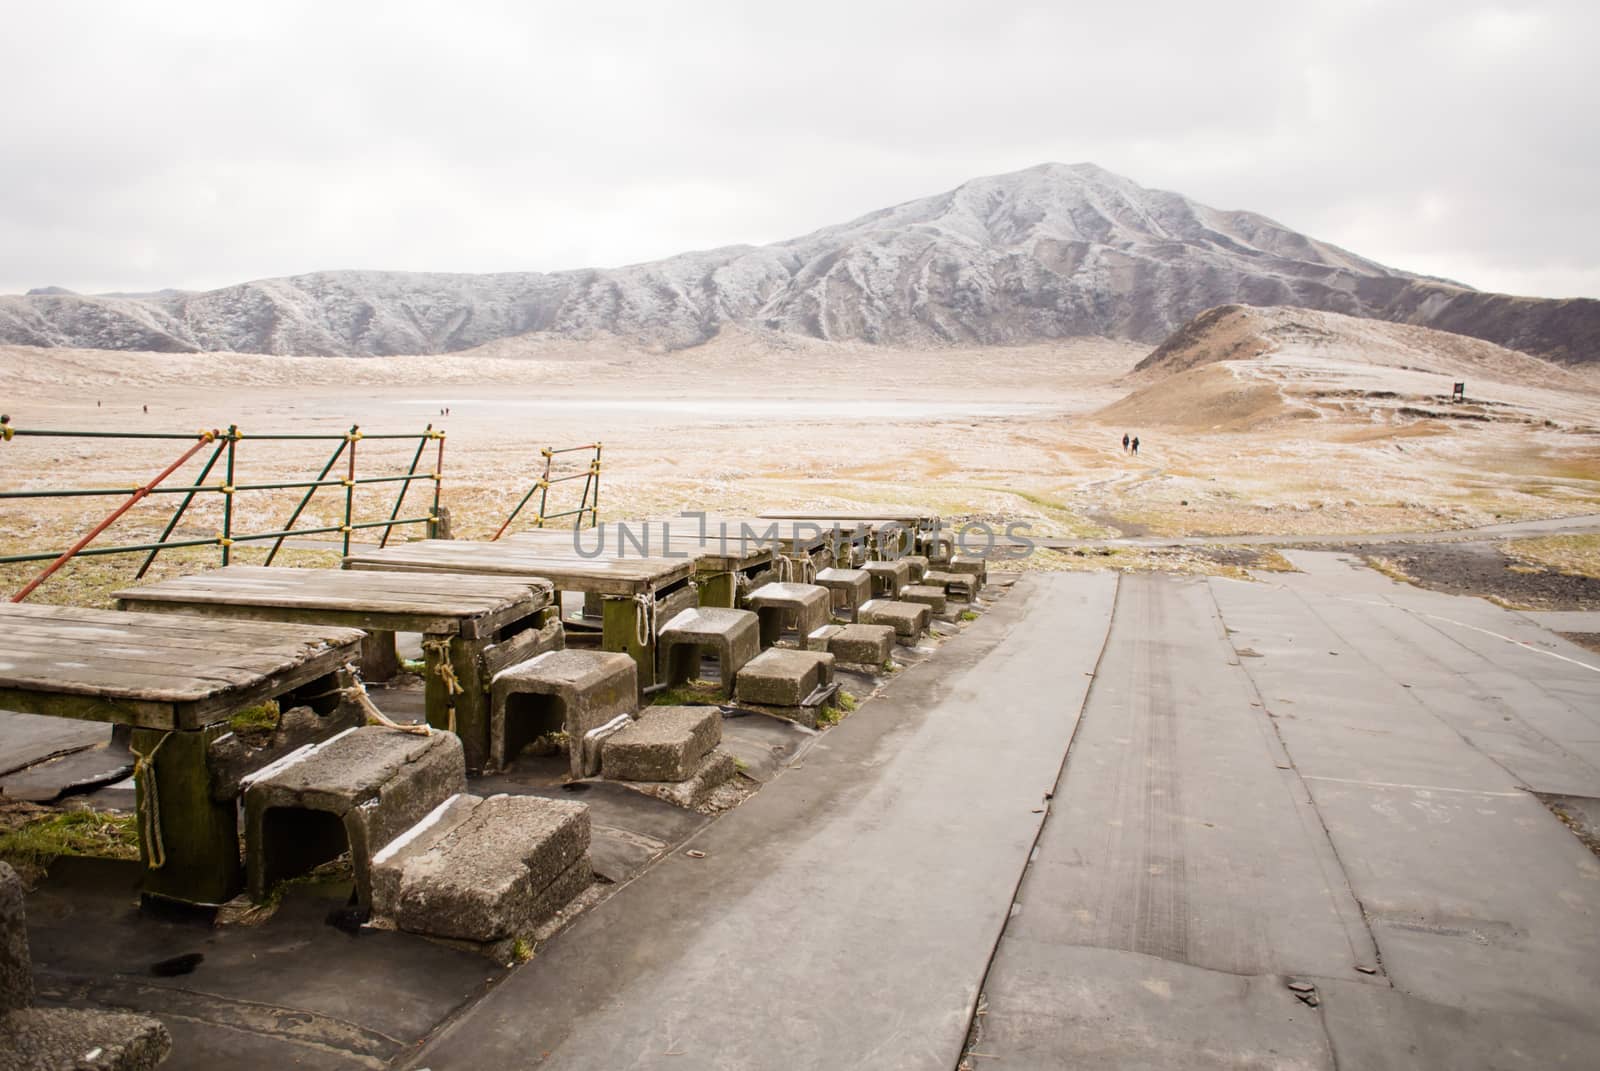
206	437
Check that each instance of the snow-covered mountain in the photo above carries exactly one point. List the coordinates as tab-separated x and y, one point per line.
1050	252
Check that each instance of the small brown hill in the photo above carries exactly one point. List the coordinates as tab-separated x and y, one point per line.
1242	332
1238	367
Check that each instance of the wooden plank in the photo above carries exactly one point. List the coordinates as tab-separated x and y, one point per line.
430	593
192	651
152	628
26	654
135	712
709	553
367	620
606	577
220	705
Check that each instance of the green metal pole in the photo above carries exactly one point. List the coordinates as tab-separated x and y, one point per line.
438	481
406	486
594	510
177	515
306	500
227	497
350	489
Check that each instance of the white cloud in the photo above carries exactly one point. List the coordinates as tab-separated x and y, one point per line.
196	144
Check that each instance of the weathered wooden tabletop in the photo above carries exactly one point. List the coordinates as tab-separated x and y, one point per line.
795	536
436	603
710	553
621	576
155	671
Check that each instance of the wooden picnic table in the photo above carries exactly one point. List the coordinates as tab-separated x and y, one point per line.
723	566
916	529
475	625
176	680
807	545
638	595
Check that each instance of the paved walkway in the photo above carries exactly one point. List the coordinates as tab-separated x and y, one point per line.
844	917
1295	831
1296	827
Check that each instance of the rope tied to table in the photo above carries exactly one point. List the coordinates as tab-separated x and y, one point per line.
150	804
643	629
784	568
356	692
440	649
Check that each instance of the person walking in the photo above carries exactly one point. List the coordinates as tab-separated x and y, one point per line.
1124	442
1136	444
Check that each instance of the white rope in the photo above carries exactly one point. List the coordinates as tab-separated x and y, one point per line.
357	694
785	569
644	605
150	804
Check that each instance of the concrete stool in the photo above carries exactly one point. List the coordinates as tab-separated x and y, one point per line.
849	588
807	603
918	565
790	684
61	1037
908	619
358	790
888	577
862	645
735	635
930	595
971	565
664	744
486	871
585	694
963	587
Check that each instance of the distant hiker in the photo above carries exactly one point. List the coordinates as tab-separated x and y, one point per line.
1136	444
1124	442
147	409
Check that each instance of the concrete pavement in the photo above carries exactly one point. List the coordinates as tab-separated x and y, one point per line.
845	915
1298	825
1298	829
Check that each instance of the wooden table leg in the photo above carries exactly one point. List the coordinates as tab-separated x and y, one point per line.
379	660
470	698
198	846
620	632
719	589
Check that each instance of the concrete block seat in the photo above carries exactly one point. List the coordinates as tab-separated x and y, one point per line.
908	619
671	753
861	645
796	685
804	606
930	595
733	635
888	577
585	694
485	871
918	564
971	565
358	790
48	1038
848	588
963	587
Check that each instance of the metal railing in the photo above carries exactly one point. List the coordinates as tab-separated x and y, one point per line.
588	502
224	448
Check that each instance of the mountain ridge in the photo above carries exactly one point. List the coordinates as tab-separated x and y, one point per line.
1053	251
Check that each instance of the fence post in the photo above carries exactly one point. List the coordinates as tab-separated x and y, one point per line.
350	487
226	539
438	479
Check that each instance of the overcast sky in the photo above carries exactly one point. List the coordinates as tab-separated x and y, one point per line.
201	144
